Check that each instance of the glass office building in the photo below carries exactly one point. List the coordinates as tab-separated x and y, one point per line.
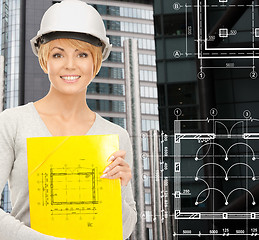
10	39
107	93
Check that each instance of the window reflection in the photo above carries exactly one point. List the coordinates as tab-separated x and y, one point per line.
146	163
148	92
148	216
148	124
142	43
129	27
124	11
106	105
10	34
115	57
149	108
147	198
105	88
130	12
5	200
119	121
109	72
174	24
146	75
147	181
183	93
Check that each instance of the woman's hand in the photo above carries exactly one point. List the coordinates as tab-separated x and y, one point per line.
118	168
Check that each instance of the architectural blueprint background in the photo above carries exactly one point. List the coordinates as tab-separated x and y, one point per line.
210	116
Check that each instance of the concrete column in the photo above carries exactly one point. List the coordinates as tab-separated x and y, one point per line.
133	120
155	181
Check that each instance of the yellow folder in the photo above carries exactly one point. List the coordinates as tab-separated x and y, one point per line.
68	198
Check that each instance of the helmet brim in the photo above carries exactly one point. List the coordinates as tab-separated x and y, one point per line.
38	40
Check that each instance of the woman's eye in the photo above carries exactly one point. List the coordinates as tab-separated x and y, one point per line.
83	55
57	55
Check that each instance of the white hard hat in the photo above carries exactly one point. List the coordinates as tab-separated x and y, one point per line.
72	19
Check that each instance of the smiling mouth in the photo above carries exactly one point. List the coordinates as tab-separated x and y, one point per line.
70	78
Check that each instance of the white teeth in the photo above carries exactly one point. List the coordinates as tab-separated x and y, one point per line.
70	78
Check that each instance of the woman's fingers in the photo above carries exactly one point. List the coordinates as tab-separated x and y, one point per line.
118	168
120	153
117	162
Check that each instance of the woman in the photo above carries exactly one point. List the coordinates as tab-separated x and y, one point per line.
70	49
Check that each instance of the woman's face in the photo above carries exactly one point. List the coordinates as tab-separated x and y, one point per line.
70	70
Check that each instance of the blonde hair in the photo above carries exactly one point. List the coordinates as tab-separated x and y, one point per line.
44	52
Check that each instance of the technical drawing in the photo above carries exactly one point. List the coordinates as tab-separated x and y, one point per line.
64	187
223	32
63	183
208	45
216	177
222	40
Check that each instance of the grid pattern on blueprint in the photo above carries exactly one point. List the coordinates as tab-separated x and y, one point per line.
216	176
73	186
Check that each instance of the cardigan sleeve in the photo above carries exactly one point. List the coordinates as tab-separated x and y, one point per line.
10	227
129	213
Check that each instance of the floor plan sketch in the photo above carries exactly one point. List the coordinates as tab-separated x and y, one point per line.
64	187
225	41
216	178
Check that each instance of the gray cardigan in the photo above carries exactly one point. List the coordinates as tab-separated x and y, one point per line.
20	123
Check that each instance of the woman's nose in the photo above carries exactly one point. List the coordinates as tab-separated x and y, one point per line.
70	63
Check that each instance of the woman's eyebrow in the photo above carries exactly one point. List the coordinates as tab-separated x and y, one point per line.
61	49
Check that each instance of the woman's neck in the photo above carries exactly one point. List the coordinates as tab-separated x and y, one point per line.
65	106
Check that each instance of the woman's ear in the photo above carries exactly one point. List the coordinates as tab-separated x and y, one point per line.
45	71
44	68
43	65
